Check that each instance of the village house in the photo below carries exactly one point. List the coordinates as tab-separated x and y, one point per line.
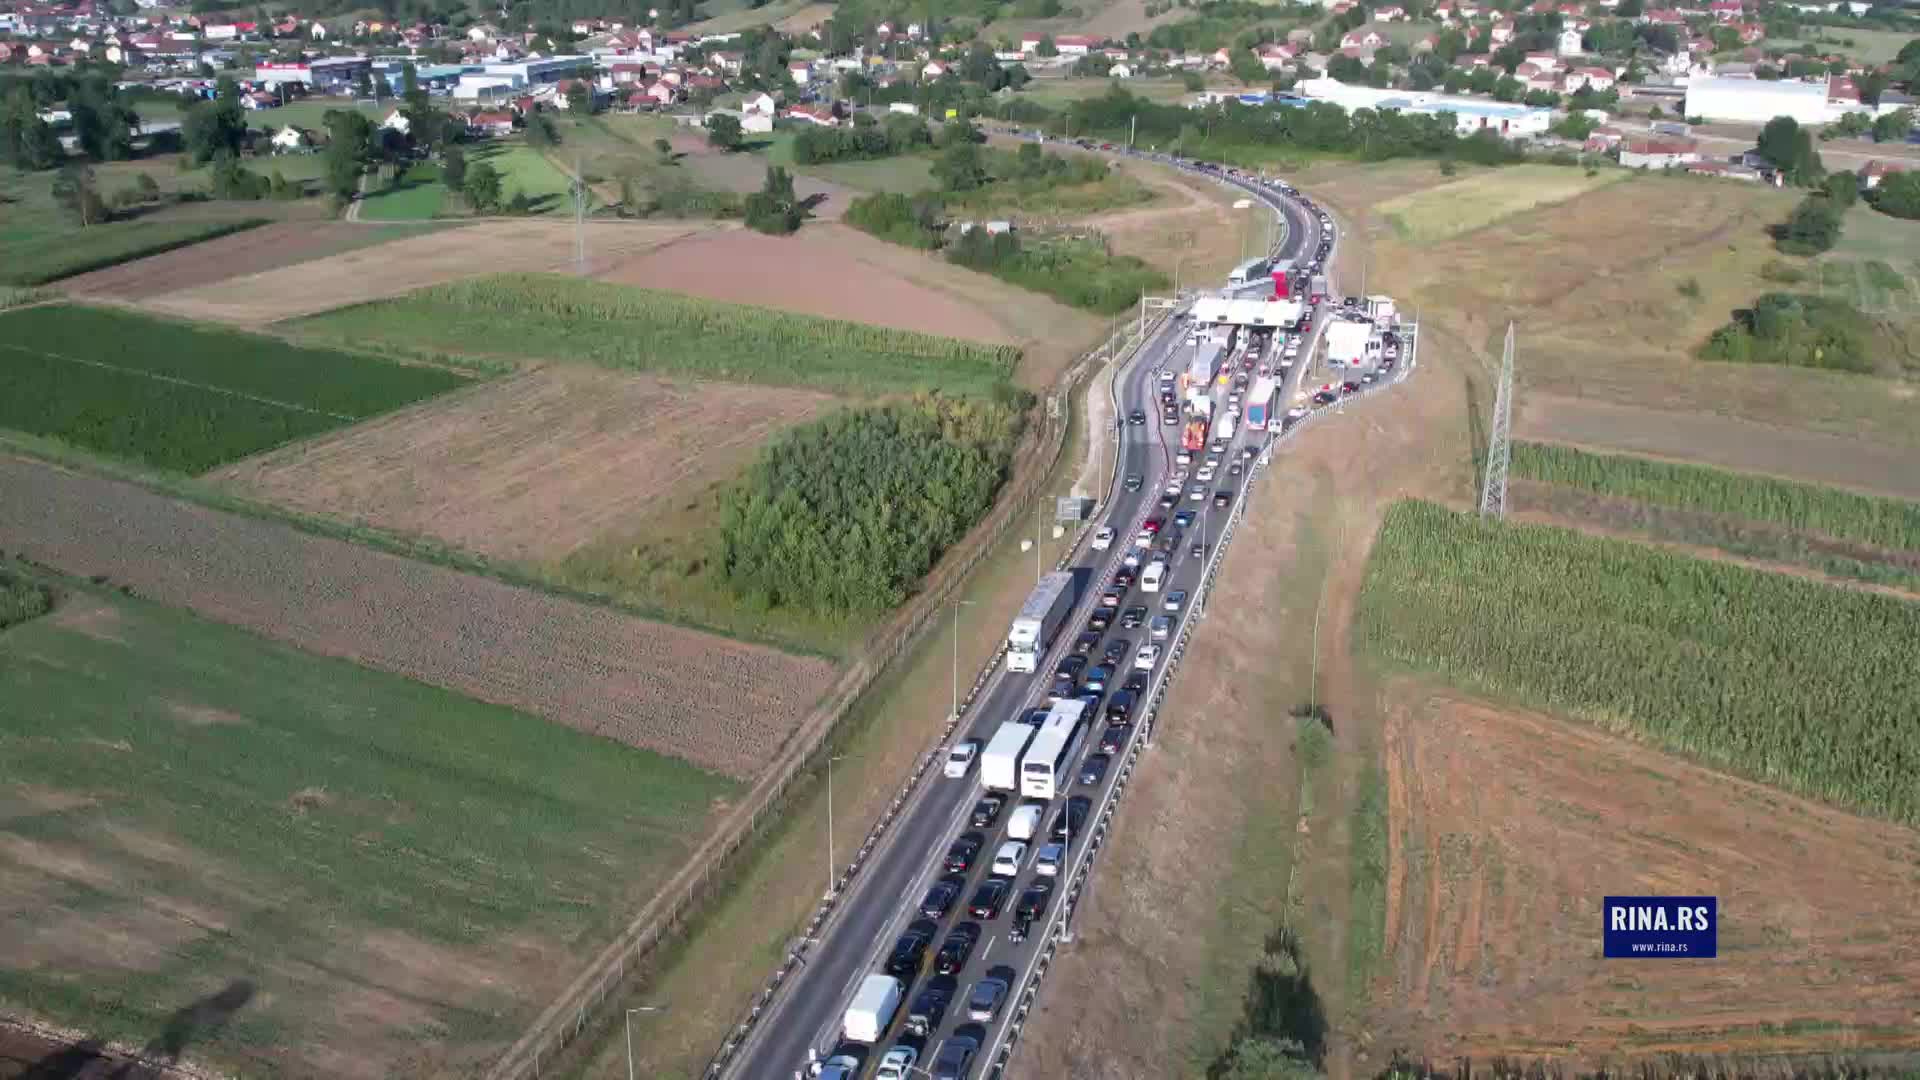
818	115
1658	153
1875	171
491	123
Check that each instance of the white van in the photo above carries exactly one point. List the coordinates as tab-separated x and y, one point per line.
1025	822
1155	573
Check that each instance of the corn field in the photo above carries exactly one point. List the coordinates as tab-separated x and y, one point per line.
1789	682
1843	515
550	316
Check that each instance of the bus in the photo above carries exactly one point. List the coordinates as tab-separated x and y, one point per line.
1047	767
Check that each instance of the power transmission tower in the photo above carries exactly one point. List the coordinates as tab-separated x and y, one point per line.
1493	497
580	193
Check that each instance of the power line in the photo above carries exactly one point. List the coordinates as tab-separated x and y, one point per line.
1493	496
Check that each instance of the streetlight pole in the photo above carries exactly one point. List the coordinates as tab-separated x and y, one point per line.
630	1012
957	605
830	864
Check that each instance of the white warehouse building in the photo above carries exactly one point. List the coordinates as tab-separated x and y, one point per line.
1469	114
1756	101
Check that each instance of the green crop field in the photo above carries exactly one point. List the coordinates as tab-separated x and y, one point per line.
375	855
1790	682
1843	515
37	245
183	397
523	170
417	197
312	113
555	317
1435	214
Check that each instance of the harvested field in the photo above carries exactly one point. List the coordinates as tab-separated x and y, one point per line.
268	247
438	256
1196	235
340	872
1494	930
1476	202
1728	442
721	704
529	467
818	271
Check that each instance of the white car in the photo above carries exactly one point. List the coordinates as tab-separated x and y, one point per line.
1148	655
1009	858
1131	560
1161	626
960	758
1198	493
898	1064
1047	862
1103	539
1143	538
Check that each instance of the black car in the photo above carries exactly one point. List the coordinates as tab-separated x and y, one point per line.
1349	387
1111	597
1070	667
1169	414
1136	417
987	811
1120	707
1325	397
1034	717
1086	642
1198	549
1221	498
1168	502
1135	481
962	852
1114	738
1131	618
1120	648
1099	620
958	946
1094	769
1136	681
988	899
911	950
930	1004
1033	902
941	895
1071	821
1123	578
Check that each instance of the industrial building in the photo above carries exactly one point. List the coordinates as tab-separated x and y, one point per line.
1756	101
329	74
506	78
1469	114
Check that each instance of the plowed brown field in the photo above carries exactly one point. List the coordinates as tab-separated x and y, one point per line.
359	276
1493	926
721	704
528	467
253	251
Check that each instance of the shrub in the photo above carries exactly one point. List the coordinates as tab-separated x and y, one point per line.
20	599
1797	330
1784	273
1813	228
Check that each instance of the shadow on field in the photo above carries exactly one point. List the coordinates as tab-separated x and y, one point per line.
196	1022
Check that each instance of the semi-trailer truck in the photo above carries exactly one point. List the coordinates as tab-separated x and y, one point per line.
1039	621
1000	761
1318	290
871	1013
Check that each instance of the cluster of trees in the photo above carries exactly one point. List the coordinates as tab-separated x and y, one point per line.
1795	329
1898	194
1892	127
775	209
104	120
1231	131
843	516
868	138
1079	273
26	141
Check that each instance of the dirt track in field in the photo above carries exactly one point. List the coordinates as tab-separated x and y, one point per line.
401	266
1494	932
253	251
721	704
1808	456
527	468
821	270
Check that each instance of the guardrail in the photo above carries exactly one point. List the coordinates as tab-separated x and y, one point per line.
1119	350
1000	1053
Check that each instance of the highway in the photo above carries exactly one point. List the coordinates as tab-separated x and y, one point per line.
802	1023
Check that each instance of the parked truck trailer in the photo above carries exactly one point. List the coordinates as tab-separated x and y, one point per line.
1000	761
1039	621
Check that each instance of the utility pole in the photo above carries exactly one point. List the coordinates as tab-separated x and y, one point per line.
830	761
1493	495
1133	125
579	218
957	605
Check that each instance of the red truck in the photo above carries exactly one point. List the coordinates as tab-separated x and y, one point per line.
1195	436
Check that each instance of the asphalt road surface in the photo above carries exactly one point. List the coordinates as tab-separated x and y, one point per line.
803	1022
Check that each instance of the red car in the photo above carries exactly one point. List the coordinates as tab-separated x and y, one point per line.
1151	525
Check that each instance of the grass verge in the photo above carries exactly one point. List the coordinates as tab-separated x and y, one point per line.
1367	904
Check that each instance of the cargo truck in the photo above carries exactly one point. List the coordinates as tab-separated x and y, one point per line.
871	1013
1000	761
1195	437
1223	428
1317	291
1039	621
1260	404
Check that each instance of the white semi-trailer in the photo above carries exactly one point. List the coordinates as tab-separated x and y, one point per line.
1039	621
1000	761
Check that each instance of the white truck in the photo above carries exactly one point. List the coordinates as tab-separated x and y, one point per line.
1223	427
1039	621
1000	761
871	1013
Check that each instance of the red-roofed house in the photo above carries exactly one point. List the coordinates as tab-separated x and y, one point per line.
1750	32
1842	91
1389	13
1593	78
1658	153
1664	17
812	114
1274	57
1875	171
490	123
1075	44
1502	32
1364	38
1726	10
1469	61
